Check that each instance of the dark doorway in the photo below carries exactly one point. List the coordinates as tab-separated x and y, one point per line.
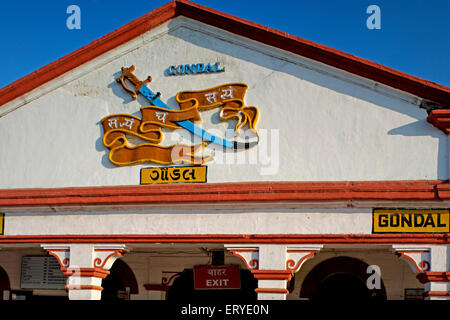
4	282
183	290
340	278
120	282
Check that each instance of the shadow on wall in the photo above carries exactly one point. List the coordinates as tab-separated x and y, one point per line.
421	128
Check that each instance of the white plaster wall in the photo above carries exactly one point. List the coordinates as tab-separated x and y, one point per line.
331	125
301	221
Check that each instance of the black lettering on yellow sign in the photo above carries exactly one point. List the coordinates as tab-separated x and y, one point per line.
173	175
411	220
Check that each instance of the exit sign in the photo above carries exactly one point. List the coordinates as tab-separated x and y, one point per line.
217	277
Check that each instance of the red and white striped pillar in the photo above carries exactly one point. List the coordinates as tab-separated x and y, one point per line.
273	265
431	263
85	265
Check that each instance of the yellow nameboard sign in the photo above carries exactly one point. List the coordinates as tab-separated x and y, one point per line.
411	220
2	223
173	175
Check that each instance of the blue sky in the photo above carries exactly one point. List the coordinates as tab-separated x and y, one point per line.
414	35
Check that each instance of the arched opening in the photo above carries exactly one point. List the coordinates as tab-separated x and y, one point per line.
342	286
119	283
4	282
183	289
341	278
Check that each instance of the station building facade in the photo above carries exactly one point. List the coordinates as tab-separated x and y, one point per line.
320	175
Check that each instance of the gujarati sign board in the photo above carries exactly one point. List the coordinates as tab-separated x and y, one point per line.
217	277
411	220
192	174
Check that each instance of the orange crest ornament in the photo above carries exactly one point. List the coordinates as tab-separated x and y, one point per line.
119	127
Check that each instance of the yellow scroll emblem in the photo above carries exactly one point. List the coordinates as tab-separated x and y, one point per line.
229	97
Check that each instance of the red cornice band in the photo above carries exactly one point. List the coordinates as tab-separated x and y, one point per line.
83	287
422	190
436	294
425	277
236	239
272	274
440	118
271	290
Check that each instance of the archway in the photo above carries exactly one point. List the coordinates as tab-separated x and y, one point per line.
119	279
4	282
340	278
342	286
183	289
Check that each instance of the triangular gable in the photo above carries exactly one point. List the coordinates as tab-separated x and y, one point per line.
324	124
427	90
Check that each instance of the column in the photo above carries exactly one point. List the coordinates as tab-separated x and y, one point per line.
273	265
85	265
431	263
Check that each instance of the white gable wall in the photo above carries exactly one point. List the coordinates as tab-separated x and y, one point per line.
330	125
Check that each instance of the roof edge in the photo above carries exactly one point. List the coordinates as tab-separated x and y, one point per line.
425	89
362	67
112	40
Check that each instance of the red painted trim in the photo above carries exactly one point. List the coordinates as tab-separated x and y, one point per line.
443	191
64	263
271	290
252	264
424	265
237	238
362	67
100	264
425	277
272	274
85	272
440	118
156	287
414	190
333	57
437	294
291	265
83	287
404	254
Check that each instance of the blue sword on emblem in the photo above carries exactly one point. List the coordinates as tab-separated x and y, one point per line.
141	87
